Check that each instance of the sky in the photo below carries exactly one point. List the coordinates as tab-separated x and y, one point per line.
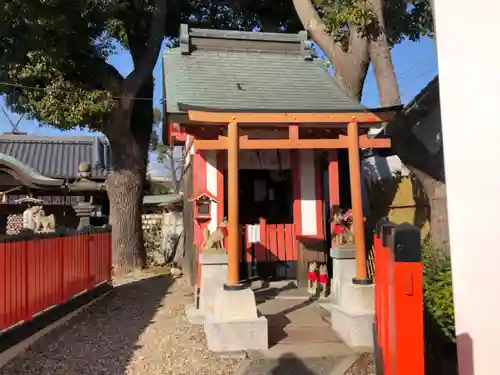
415	64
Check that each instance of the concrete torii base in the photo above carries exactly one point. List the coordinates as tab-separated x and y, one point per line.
213	277
234	325
352	307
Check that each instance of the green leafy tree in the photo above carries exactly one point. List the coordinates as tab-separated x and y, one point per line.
54	68
353	33
54	59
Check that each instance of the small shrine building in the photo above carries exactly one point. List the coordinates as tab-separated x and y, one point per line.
273	143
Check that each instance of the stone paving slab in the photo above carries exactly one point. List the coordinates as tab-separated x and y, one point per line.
302	335
308	350
285	312
301	339
286	292
292	365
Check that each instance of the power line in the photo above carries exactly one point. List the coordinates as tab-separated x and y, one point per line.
407	77
26	87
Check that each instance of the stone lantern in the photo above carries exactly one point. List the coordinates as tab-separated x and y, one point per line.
84	209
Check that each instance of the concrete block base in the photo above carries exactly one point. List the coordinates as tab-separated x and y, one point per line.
213	277
236	335
234	325
351	306
353	328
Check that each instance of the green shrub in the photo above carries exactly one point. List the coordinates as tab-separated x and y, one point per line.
438	291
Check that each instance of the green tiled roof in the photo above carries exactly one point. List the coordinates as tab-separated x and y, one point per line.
250	71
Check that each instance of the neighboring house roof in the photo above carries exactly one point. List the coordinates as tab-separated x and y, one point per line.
423	104
59	157
418	128
239	71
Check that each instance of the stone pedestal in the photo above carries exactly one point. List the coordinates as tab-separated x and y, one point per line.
352	306
213	277
233	325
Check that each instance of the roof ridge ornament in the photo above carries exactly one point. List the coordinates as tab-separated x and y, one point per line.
185	40
306	47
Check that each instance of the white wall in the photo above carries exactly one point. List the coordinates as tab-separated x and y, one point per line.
211	171
468	52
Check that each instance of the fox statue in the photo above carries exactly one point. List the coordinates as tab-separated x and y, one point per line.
216	239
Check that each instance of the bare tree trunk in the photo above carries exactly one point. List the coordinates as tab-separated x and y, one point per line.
389	96
438	216
351	65
383	67
129	139
125	185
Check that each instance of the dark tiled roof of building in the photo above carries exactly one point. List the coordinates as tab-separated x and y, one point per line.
59	157
233	70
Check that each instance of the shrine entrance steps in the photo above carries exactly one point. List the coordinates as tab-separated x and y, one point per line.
301	340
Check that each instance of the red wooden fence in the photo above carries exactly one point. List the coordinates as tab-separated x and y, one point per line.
38	274
399	329
275	253
277	243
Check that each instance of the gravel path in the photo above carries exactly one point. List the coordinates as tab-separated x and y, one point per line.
365	365
140	328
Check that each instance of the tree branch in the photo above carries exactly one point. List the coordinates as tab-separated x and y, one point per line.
315	26
104	75
152	48
351	65
186	151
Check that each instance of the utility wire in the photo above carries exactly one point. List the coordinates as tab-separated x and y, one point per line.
26	87
408	76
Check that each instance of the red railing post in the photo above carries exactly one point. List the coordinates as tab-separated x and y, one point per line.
408	300
383	302
399	300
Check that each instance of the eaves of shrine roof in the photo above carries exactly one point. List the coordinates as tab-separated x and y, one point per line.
58	157
250	71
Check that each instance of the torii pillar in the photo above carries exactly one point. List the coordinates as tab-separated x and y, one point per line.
233	250
234	324
357	203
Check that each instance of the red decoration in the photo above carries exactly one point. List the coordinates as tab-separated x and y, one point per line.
347	215
322	279
224	231
338	229
312	276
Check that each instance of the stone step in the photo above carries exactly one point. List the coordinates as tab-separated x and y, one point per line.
290	364
309	350
301	335
325	312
